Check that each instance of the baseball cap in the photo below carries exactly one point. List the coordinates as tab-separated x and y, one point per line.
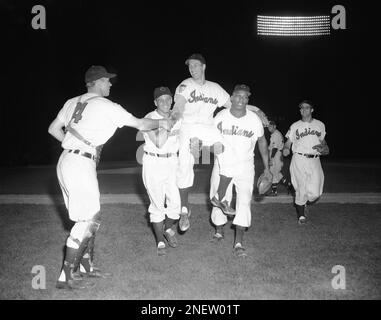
306	102
97	72
242	87
196	56
159	91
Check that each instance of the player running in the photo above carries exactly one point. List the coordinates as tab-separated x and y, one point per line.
242	129
307	137
160	163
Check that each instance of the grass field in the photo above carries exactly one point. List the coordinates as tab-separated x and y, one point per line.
285	261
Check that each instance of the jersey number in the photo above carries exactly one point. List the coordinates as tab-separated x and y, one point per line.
77	115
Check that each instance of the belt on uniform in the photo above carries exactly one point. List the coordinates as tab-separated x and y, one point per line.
84	154
308	155
161	155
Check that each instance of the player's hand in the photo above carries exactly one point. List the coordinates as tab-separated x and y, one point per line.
167	124
286	152
218	148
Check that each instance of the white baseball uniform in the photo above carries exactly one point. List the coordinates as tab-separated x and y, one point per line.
159	174
77	175
276	141
307	175
242	134
197	121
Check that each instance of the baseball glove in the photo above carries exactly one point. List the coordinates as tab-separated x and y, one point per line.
195	146
264	182
322	148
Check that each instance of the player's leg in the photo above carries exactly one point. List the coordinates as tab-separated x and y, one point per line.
225	155
153	174
219	219
82	199
275	170
244	183
316	181
299	178
185	176
172	195
215	183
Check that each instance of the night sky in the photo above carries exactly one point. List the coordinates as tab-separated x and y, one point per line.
146	44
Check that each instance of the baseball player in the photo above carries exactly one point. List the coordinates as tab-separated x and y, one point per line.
242	129
276	159
83	124
307	137
160	163
196	99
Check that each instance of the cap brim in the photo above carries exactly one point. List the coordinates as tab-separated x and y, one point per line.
110	75
247	92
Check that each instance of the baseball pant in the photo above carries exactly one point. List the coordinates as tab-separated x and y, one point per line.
159	178
209	135
307	178
243	180
77	177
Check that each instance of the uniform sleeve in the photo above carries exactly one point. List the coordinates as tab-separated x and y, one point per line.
120	116
63	113
223	96
259	127
183	89
290	133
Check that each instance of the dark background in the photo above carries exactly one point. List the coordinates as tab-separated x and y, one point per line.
146	44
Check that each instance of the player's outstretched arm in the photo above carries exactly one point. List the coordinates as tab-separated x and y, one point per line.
286	148
145	124
178	108
56	129
264	151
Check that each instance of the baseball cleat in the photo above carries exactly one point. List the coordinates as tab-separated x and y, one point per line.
217	237
223	205
239	251
74	285
171	238
184	222
161	250
302	220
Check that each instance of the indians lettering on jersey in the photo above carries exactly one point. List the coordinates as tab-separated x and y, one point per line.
306	132
200	97
234	131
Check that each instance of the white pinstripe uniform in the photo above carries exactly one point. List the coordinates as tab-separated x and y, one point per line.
307	175
242	134
159	174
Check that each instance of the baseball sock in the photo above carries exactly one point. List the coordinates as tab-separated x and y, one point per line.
158	230
184	192
68	264
220	230
87	261
238	234
222	187
299	210
274	187
169	223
